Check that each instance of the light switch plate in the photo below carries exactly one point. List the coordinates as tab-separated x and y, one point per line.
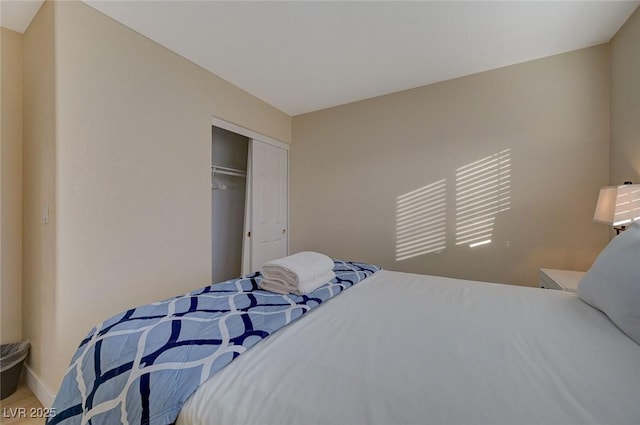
45	214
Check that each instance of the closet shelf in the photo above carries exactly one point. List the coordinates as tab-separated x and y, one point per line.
216	169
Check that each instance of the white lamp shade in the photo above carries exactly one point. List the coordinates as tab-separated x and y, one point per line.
618	205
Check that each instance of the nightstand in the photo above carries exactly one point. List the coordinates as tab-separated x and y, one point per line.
564	280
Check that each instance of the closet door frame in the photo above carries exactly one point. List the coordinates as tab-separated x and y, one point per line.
246	245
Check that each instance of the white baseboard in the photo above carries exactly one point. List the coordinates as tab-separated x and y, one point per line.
38	388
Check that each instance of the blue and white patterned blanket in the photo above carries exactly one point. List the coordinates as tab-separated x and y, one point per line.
139	367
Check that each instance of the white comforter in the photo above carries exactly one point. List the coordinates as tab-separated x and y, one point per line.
410	349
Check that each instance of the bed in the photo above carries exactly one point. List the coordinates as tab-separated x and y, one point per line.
408	349
400	348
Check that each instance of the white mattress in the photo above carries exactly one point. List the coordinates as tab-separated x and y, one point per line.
410	349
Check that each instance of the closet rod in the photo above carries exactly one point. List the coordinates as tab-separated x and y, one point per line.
216	169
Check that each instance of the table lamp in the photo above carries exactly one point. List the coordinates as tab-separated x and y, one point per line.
618	206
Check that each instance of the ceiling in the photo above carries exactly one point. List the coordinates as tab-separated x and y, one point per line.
304	56
17	14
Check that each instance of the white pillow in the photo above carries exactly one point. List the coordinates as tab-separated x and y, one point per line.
612	284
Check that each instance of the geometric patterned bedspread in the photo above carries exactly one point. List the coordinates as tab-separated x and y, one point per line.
140	366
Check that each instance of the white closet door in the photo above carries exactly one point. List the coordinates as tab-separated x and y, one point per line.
269	200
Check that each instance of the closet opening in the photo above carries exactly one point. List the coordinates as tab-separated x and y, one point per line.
249	200
229	165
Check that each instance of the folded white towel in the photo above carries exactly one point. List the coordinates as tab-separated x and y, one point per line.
282	287
299	273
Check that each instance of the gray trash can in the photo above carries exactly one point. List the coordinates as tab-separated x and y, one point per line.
11	359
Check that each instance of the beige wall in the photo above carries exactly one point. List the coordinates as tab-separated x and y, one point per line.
350	164
11	187
625	102
132	161
39	244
